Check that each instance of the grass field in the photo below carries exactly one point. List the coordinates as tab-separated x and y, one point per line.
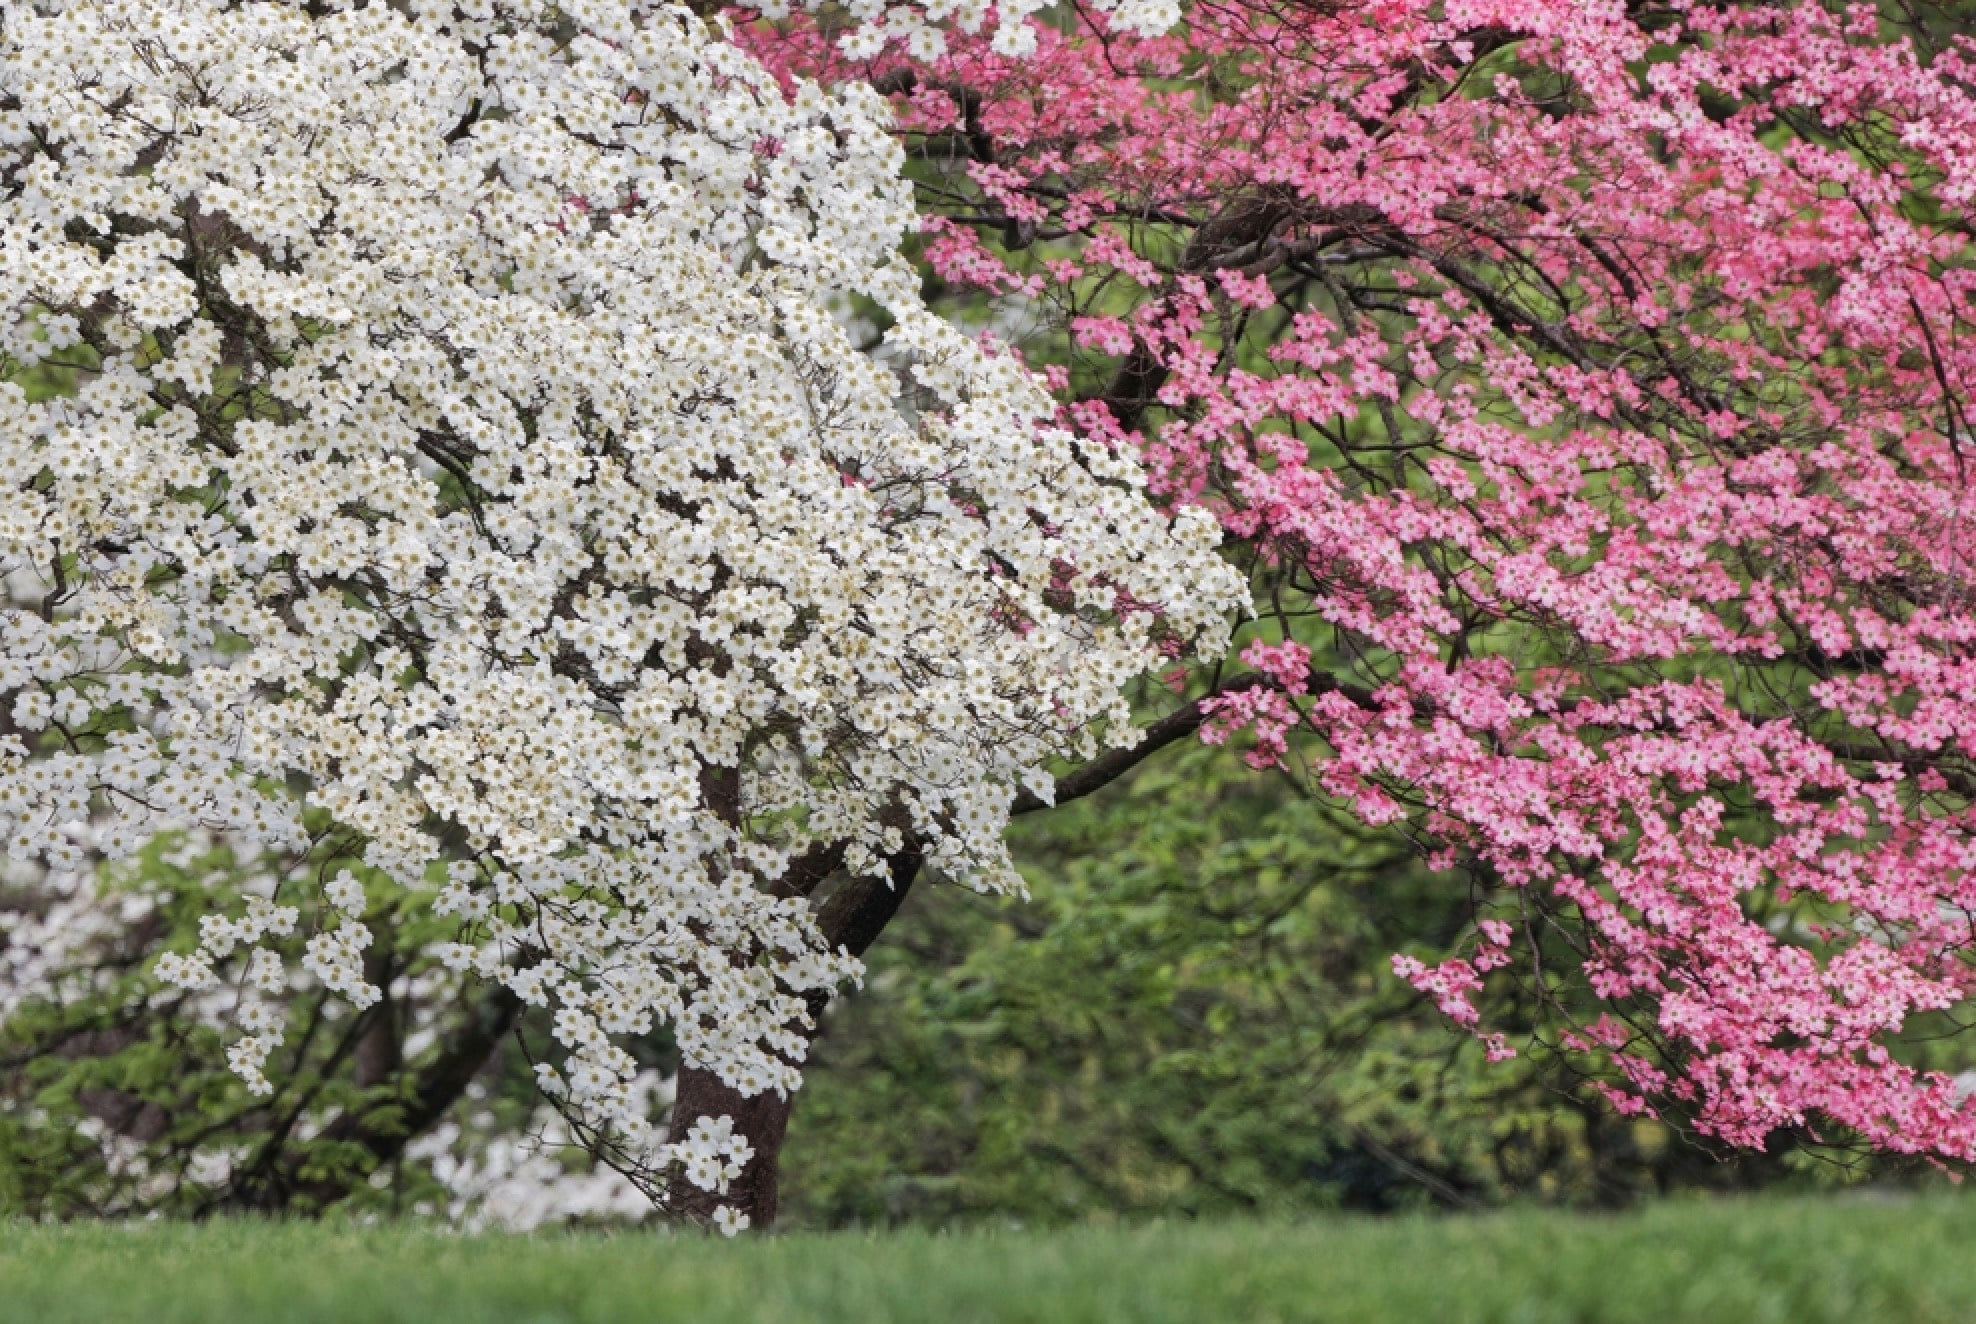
1857	1261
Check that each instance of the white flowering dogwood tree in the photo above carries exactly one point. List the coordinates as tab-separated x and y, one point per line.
494	450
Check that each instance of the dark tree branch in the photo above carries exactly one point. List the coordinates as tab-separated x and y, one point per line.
1113	764
384	1131
1175	726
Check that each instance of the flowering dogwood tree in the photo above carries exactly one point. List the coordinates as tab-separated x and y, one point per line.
1587	383
439	456
447	463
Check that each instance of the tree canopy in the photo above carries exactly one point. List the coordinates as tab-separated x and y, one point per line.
457	477
500	453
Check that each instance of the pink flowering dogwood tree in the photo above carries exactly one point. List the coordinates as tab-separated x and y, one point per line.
1585	386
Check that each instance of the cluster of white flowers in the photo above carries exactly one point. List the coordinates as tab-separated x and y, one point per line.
49	937
424	424
66	941
712	1154
919	26
260	1020
535	1175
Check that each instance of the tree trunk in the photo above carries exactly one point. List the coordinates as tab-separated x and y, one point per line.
852	917
764	1119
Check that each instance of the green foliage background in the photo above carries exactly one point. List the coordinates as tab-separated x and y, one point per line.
1194	1013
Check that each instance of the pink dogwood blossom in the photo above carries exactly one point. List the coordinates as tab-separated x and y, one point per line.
1585	384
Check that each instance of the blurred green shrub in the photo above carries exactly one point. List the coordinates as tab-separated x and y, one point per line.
1193	1013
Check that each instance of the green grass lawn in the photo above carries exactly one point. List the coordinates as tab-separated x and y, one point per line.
1794	1262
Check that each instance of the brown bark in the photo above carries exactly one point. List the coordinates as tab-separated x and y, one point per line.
851	917
764	1119
379	1055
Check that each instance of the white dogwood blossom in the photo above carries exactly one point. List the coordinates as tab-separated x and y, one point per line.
920	26
429	433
